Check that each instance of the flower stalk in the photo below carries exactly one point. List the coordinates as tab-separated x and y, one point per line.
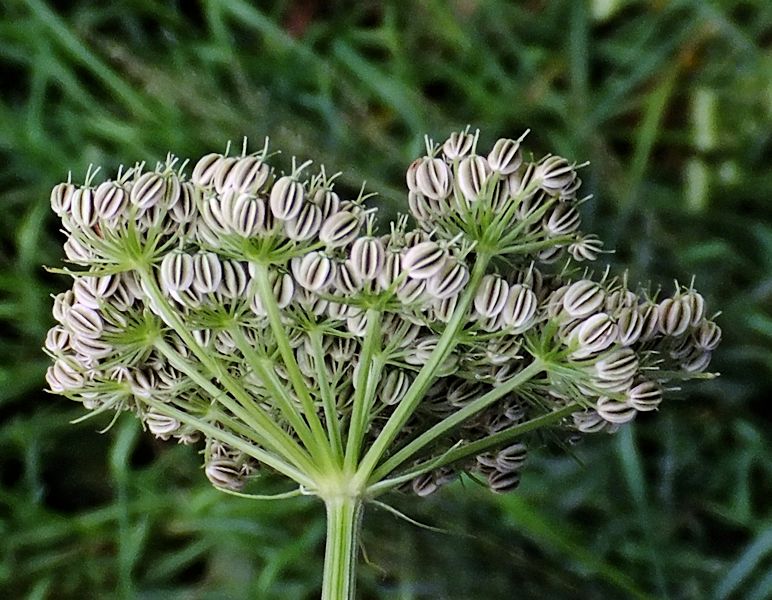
344	519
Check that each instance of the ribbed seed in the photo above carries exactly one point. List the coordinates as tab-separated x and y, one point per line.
615	411
340	229
449	280
424	260
473	172
491	296
367	257
505	157
583	298
520	308
645	396
433	178
286	198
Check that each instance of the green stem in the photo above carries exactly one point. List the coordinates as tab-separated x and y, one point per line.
247	411
245	408
426	375
327	395
474	448
274	386
457	419
216	433
268	301
367	378
344	519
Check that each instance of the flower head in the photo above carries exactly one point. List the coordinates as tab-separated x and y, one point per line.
276	320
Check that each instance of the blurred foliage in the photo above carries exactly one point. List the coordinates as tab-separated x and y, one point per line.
671	101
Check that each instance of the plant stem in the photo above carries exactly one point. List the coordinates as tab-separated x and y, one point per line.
473	448
328	398
344	519
265	292
364	393
425	377
456	419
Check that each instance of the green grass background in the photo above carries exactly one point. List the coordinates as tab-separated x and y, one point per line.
672	104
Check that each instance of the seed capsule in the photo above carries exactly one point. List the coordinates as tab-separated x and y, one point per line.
63	377
563	219
92	291
57	339
449	280
233	284
520	181
420	207
502	482
84	321
287	197
207	272
589	421
410	175
394	386
458	145
473	172
696	362
61	198
620	365
505	157
327	201
583	298
594	334
62	304
148	190
225	473
160	425
443	309
306	225
433	178
177	272
92	350
424	260
411	291
367	257
491	296
512	457
340	229
186	208
247	215
347	282
614	411
357	325
707	336
392	269
249	175
645	396
205	169
587	247
696	305
650	316
110	200
555	173
630	323
520	308
424	485
315	272
223	175
675	316
82	207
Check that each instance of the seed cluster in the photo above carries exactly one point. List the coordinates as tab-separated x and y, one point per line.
200	302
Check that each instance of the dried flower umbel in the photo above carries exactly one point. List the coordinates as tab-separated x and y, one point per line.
266	316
